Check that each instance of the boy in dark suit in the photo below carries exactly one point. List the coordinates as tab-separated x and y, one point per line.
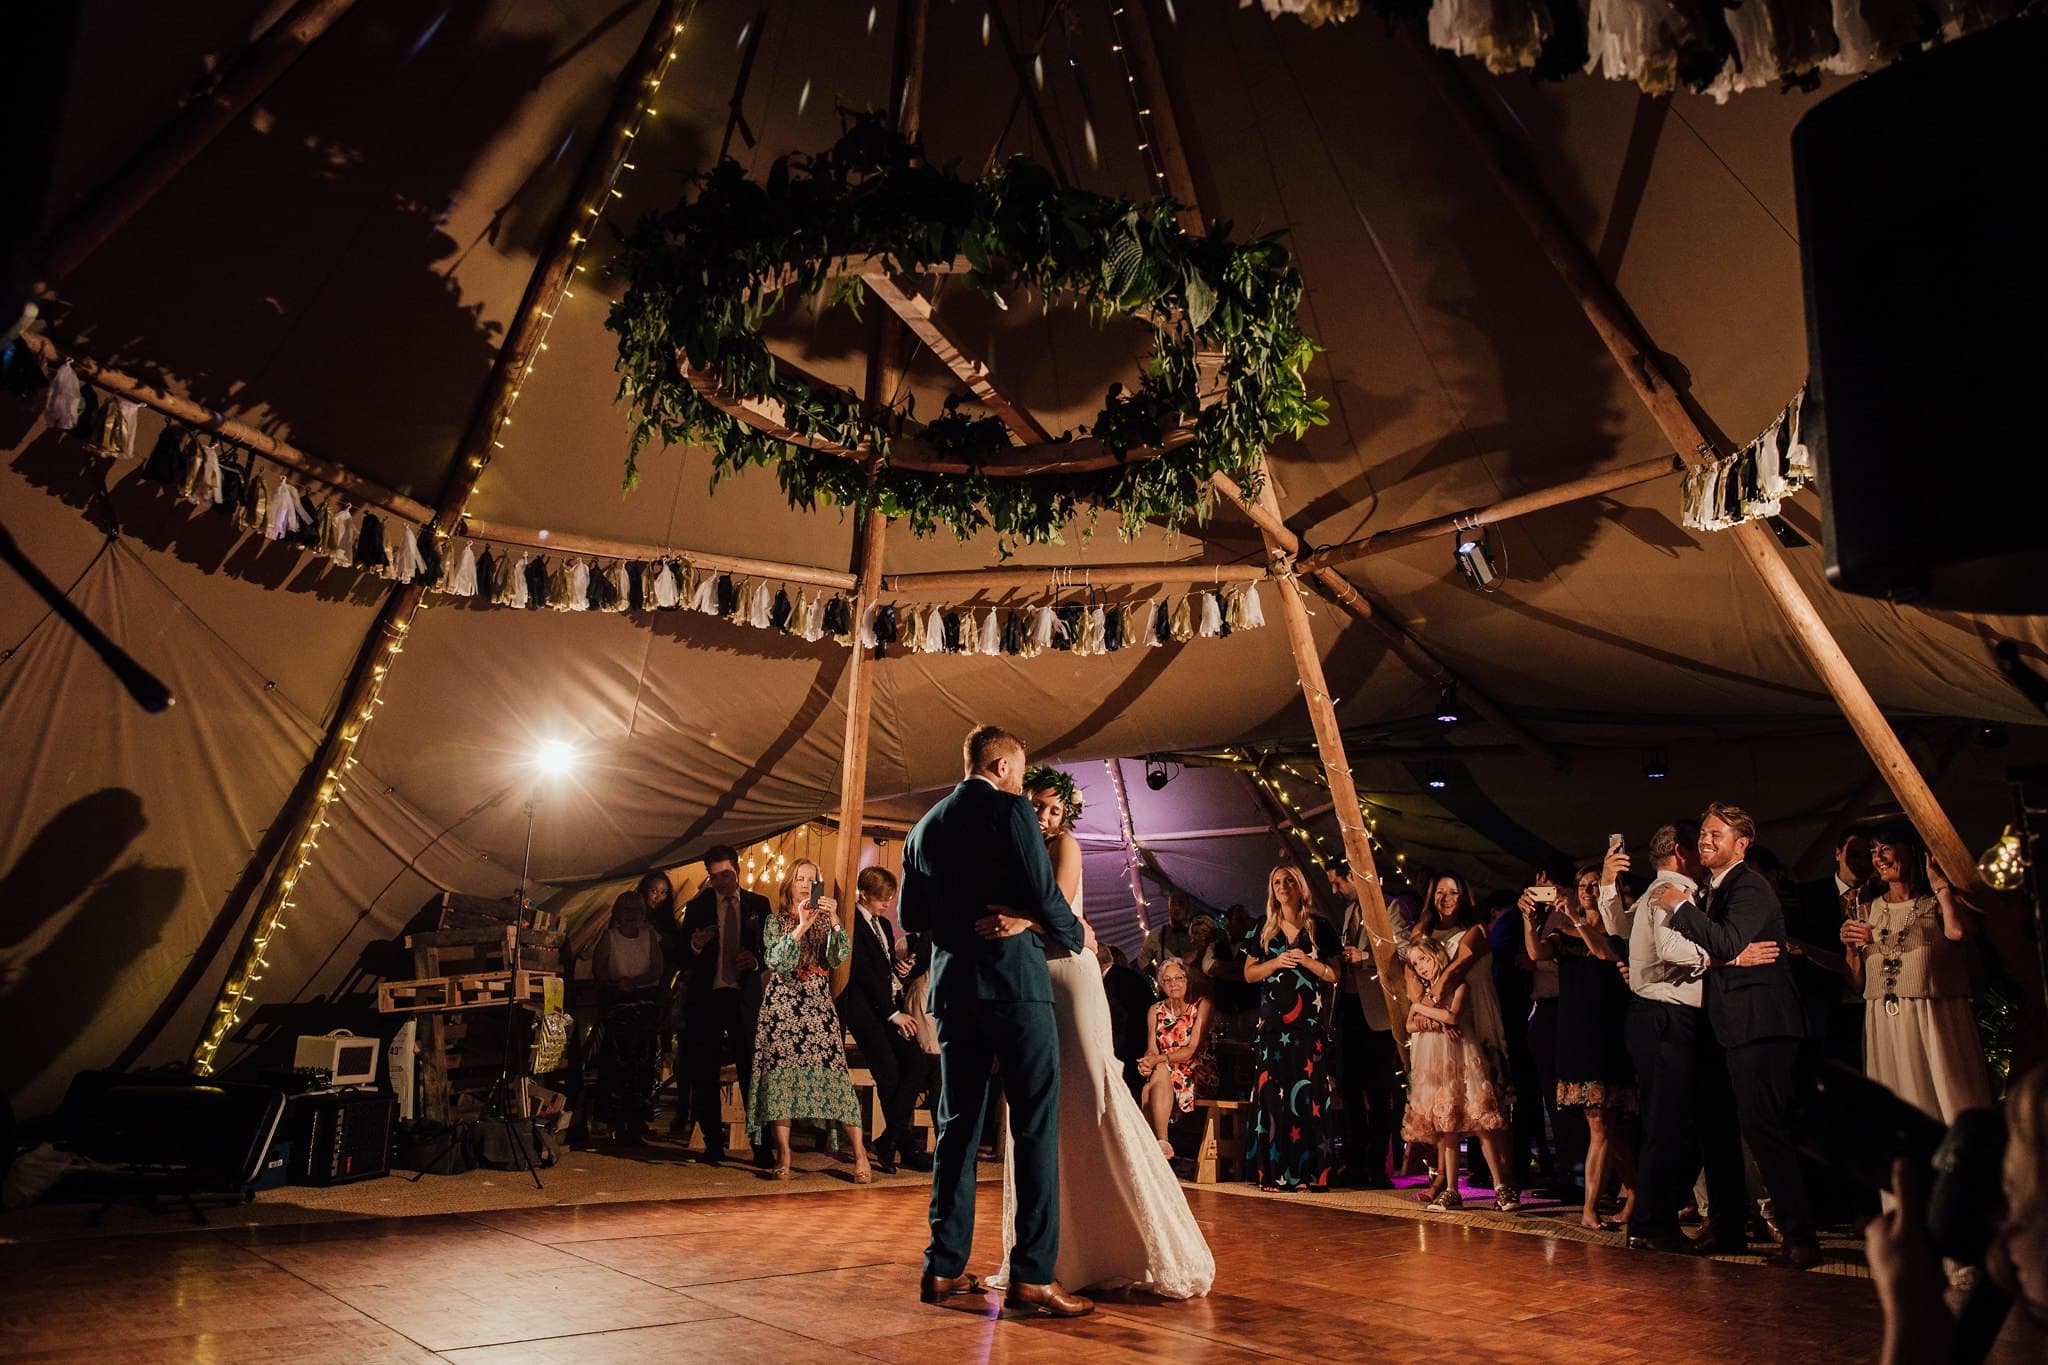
871	1007
977	852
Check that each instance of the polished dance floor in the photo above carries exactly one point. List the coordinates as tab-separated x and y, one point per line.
832	1275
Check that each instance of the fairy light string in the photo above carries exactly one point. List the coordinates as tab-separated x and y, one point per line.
238	991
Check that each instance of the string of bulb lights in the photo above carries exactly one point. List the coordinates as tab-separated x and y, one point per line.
238	988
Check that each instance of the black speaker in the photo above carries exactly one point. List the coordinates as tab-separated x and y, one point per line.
340	1136
1926	301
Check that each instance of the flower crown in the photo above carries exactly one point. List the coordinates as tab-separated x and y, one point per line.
1045	777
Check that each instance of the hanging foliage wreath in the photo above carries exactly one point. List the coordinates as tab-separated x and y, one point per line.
706	275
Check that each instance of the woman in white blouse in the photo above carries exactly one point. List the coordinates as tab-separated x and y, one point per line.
1908	951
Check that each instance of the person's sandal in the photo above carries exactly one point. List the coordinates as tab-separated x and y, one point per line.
1507	1201
863	1175
1432	1191
1449	1200
781	1173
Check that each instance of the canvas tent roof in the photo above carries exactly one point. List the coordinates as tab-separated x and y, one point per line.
339	265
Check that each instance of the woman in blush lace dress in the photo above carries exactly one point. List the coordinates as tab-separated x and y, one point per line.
1124	1222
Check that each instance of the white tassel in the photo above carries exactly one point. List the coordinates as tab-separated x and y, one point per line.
760	606
338	534
706	597
935	630
812	616
117	429
460	580
664	589
866	634
1043	627
579	585
1798	455
1148	624
1254	609
1627	40
60	408
511	586
1755	64
1098	630
991	642
212	491
287	510
402	562
1211	624
965	626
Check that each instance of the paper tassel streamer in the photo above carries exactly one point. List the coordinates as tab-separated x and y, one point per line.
61	406
289	515
780	611
760	606
1180	620
865	635
209	488
1631	41
726	594
429	549
337	533
490	572
1210	623
538	575
664	591
886	628
705	599
597	591
1045	625
1113	622
252	513
114	434
1149	624
933	636
579	585
989	634
838	619
460	580
402	553
508	589
1507	35
234	482
166	462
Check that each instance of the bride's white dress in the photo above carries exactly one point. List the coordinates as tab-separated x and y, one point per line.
1124	1222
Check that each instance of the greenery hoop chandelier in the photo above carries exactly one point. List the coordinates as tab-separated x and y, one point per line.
1224	380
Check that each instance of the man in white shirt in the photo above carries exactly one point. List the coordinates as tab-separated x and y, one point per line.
1664	1029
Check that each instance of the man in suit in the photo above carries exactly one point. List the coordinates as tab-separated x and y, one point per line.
976	853
1130	1013
871	1007
721	959
1755	1013
1368	1062
1834	1014
1175	938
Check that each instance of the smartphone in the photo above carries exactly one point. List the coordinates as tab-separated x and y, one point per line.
1543	895
1615	841
816	888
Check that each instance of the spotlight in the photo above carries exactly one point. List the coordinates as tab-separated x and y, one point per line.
1993	736
1447	704
1653	765
1156	775
555	757
1473	554
1434	776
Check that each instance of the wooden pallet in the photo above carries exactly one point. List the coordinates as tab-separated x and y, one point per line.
477	990
462	952
476	912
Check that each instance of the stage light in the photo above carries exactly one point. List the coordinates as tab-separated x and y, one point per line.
1447	704
1156	775
1472	552
555	757
1653	765
1434	776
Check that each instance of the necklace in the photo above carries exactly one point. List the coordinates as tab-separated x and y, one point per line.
1891	950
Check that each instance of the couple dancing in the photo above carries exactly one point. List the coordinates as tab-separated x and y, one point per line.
1088	1199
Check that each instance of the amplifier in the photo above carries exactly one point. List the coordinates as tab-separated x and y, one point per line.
339	1137
348	1059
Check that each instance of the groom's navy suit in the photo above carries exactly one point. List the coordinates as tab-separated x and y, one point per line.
992	999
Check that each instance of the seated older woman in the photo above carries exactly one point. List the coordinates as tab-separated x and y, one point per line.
1180	1066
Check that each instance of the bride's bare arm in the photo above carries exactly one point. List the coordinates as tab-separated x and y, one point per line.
1066	868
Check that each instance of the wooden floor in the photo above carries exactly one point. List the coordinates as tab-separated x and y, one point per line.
833	1276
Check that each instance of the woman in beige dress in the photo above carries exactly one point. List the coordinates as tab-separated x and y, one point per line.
1908	951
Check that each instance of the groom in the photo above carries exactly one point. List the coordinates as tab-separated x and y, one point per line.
980	846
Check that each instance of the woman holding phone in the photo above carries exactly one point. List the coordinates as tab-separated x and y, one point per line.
799	1058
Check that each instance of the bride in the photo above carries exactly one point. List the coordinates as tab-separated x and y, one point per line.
1124	1222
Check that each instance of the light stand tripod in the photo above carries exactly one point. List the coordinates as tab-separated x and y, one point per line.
498	1105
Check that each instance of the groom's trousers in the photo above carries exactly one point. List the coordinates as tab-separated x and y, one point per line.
1020	1036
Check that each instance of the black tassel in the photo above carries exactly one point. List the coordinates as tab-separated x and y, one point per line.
885	625
166	462
537	584
950	625
1162	628
234	481
636	585
838	617
780	610
1013	633
1112	630
1564	51
430	556
728	595
21	370
487	570
1070	617
370	544
599	595
87	427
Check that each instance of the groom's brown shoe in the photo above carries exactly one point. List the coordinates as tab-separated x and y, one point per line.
935	1287
1048	1299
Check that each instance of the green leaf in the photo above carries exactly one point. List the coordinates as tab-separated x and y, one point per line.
1201	298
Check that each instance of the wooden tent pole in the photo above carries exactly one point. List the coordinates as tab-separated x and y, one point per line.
1536	500
1647	373
254	70
357	707
884	377
1128	838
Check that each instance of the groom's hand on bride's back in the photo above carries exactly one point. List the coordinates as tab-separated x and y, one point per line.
1000	923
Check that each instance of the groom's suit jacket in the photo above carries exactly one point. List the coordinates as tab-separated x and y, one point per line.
976	848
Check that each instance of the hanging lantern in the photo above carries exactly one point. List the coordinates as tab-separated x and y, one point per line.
2004	864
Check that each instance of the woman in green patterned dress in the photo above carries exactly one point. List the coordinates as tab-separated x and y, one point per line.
799	1056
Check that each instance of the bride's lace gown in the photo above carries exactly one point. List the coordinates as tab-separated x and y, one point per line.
1124	1222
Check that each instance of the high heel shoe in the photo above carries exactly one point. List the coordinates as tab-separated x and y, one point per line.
1432	1191
863	1174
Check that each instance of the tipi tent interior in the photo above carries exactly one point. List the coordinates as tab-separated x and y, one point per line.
338	267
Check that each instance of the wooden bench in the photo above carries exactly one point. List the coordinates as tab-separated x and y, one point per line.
1219	1154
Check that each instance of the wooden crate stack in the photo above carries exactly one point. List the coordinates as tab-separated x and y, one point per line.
464	971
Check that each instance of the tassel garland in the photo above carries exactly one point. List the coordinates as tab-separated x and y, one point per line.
61	405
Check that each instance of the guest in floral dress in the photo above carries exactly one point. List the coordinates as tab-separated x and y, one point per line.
1180	1067
799	1054
1291	957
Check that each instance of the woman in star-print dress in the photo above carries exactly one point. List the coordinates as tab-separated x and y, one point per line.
1292	956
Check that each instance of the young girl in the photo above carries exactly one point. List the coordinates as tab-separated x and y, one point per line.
1427	960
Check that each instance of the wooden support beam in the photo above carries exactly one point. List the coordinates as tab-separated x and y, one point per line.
1127	837
1536	500
1073	576
569	543
884	377
1514	173
197	415
1143	50
254	70
304	815
1027	92
915	311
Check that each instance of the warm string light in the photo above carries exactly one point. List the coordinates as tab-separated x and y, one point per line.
1148	137
1133	864
235	993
